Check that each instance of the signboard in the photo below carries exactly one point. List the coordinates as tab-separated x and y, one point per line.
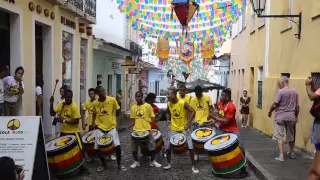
115	65
21	138
134	70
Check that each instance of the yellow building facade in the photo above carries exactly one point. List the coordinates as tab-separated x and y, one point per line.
51	39
273	51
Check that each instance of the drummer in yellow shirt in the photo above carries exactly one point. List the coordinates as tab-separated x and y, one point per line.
142	116
177	113
183	94
104	118
88	106
70	117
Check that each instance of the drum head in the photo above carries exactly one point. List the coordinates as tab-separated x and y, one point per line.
105	140
60	143
178	139
222	141
203	134
140	134
156	134
89	137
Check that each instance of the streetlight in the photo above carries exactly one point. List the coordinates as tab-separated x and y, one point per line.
258	7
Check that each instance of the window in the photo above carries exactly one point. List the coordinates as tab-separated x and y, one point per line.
315	9
244	19
260	77
287	10
316	79
286	75
262	21
253	21
67	54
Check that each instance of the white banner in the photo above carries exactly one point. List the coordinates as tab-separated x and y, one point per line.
18	140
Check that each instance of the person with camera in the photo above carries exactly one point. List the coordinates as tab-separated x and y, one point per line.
10	171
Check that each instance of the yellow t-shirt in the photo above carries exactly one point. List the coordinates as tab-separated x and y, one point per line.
179	115
88	106
68	112
143	115
105	113
187	98
201	106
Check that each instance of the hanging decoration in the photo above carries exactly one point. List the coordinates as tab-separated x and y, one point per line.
184	10
163	50
207	51
186	51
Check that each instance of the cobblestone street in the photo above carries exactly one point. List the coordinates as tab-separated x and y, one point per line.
181	167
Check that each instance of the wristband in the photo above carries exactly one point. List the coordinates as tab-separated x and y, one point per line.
317	146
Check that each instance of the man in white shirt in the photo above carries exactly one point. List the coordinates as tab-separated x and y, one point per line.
4	72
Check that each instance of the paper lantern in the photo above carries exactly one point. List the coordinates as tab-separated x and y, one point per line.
184	10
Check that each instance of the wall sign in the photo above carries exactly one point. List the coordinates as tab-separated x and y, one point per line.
67	22
22	139
115	64
134	70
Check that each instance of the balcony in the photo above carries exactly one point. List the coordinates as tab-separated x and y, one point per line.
85	9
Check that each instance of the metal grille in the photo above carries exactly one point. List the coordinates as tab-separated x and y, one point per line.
259	94
286	75
90	7
316	79
77	3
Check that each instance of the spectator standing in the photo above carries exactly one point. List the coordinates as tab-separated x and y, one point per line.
286	107
3	73
39	85
13	89
10	171
244	103
119	101
314	95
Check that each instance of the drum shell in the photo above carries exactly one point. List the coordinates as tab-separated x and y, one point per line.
227	160
198	142
65	160
106	149
179	149
140	139
198	146
89	147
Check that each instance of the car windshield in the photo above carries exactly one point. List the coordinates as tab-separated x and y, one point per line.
161	99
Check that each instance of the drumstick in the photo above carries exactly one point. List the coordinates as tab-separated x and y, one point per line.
55	86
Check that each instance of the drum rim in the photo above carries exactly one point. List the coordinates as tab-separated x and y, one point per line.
140	137
245	162
85	136
70	170
158	135
210	140
171	139
108	143
59	148
205	139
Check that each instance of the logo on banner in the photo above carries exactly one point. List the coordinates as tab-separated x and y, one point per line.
13	125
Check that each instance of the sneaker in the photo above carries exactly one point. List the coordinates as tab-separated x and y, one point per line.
113	157
196	157
101	168
122	168
135	164
167	167
291	155
195	170
281	159
155	164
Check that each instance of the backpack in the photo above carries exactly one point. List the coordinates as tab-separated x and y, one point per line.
315	109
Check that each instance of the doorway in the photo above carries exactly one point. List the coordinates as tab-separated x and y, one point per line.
83	66
43	71
110	85
4	39
118	85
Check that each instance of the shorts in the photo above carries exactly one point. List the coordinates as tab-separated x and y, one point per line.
186	133
113	133
136	143
315	133
241	142
284	132
57	128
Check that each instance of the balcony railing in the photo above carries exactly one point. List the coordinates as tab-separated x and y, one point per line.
83	8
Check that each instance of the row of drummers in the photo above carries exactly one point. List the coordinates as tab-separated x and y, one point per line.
223	150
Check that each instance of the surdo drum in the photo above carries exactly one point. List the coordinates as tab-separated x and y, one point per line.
141	136
88	141
178	143
225	153
158	142
106	146
64	155
200	137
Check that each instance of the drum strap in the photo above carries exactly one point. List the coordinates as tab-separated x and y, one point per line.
79	140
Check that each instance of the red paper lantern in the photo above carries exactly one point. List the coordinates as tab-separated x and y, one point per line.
184	10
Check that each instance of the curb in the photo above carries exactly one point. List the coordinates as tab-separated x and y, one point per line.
259	171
